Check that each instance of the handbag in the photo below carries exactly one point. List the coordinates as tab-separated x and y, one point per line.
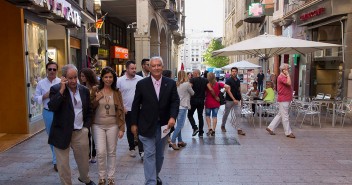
221	96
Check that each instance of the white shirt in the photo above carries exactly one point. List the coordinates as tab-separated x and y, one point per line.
43	87
144	75
78	109
127	88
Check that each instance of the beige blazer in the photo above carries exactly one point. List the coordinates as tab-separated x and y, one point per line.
120	113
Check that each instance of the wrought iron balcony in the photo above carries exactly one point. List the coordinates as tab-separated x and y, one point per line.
159	4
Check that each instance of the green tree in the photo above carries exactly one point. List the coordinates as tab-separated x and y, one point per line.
218	61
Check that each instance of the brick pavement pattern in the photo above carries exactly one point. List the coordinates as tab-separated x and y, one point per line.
316	156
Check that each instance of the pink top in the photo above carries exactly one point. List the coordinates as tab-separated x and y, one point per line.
210	101
156	84
284	91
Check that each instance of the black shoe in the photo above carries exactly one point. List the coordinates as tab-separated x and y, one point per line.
195	132
200	135
158	181
89	183
213	133
55	168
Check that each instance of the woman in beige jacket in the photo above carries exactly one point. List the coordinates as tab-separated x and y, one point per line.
109	123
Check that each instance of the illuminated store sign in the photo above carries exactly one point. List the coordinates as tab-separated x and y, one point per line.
309	15
61	8
255	9
119	52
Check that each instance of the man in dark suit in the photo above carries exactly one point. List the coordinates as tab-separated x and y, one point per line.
155	104
70	103
145	72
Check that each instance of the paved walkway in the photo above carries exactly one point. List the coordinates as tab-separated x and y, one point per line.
316	156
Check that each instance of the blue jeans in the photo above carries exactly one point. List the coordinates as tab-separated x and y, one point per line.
153	155
212	111
48	120
181	118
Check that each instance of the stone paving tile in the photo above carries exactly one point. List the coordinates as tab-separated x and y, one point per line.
316	156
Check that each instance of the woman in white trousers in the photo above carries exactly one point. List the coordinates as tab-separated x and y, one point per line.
109	124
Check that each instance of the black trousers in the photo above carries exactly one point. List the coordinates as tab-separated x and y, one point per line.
196	104
92	151
130	137
260	86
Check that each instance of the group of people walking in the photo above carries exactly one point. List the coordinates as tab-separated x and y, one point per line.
90	116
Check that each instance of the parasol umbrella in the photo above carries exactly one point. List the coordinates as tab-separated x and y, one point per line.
266	46
242	65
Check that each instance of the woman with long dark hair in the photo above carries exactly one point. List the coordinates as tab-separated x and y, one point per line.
88	78
109	123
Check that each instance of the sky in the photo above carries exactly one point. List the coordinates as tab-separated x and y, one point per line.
205	15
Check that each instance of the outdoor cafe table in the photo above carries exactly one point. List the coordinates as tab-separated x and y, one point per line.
259	106
333	102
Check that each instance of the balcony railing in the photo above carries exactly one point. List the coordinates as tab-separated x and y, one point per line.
159	4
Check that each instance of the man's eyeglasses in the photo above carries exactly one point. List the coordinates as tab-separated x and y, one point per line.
52	69
146	64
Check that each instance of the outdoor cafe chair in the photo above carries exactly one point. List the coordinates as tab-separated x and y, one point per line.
344	109
271	111
247	112
319	96
309	108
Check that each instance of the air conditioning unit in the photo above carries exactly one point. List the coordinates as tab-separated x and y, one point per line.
335	52
93	39
319	53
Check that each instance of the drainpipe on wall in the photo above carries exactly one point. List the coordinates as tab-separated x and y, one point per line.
349	79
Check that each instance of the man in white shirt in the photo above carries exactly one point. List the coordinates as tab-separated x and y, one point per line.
41	96
70	103
145	68
127	86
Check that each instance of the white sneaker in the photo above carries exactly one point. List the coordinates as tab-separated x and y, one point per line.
133	153
142	155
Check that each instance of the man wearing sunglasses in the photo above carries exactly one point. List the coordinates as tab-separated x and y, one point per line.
41	96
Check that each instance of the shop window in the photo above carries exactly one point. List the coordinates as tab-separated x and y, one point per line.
35	60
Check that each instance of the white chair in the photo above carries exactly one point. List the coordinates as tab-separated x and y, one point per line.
271	111
343	110
319	96
308	108
247	112
312	109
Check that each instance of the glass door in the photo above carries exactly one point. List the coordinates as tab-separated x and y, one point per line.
35	58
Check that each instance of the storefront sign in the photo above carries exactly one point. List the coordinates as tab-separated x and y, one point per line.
119	52
103	53
255	9
314	13
62	9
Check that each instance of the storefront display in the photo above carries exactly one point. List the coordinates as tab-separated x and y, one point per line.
35	60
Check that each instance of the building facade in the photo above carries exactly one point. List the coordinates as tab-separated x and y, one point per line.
192	50
39	31
64	31
329	21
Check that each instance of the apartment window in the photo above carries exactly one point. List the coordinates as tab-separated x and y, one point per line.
277	5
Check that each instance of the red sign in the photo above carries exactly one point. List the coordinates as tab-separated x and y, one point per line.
119	52
312	14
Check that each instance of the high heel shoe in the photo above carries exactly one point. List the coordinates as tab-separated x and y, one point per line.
174	146
181	144
209	132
